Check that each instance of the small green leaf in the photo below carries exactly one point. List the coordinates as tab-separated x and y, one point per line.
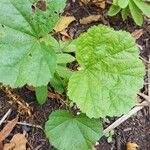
68	132
63	71
123	3
110	68
115	2
56	7
114	10
64	58
125	13
57	84
68	46
41	94
109	139
136	13
143	6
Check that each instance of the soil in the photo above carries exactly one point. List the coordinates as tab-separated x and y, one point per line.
136	129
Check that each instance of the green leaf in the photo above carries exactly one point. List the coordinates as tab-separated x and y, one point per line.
41	94
111	73
115	2
68	132
68	46
125	13
123	3
136	13
114	10
25	58
63	71
143	6
56	7
63	58
57	84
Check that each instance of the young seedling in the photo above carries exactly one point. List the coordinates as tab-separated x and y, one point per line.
110	136
136	7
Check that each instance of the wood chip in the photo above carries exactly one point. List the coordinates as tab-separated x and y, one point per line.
89	19
63	23
7	129
132	146
18	142
138	33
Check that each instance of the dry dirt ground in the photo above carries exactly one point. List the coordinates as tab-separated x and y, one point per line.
135	129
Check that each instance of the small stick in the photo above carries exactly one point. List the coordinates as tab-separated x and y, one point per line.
5	116
144	60
149	79
30	125
127	116
144	96
124	118
26	124
149	82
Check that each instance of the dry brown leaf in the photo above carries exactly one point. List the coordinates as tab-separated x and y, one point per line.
109	1
89	19
4	133
63	23
138	33
132	146
100	3
65	35
84	2
9	146
18	142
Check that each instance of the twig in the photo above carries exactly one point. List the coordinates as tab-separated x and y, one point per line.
149	79
27	124
144	96
124	118
144	60
149	82
5	116
30	125
127	116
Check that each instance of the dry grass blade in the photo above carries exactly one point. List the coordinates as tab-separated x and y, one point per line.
7	129
5	116
89	19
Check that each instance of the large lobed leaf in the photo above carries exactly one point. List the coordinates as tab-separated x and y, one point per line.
111	73
77	132
25	58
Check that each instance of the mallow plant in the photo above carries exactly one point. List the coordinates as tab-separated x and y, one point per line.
137	8
105	84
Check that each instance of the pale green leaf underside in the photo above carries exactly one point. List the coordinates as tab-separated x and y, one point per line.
111	73
41	94
25	58
67	132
